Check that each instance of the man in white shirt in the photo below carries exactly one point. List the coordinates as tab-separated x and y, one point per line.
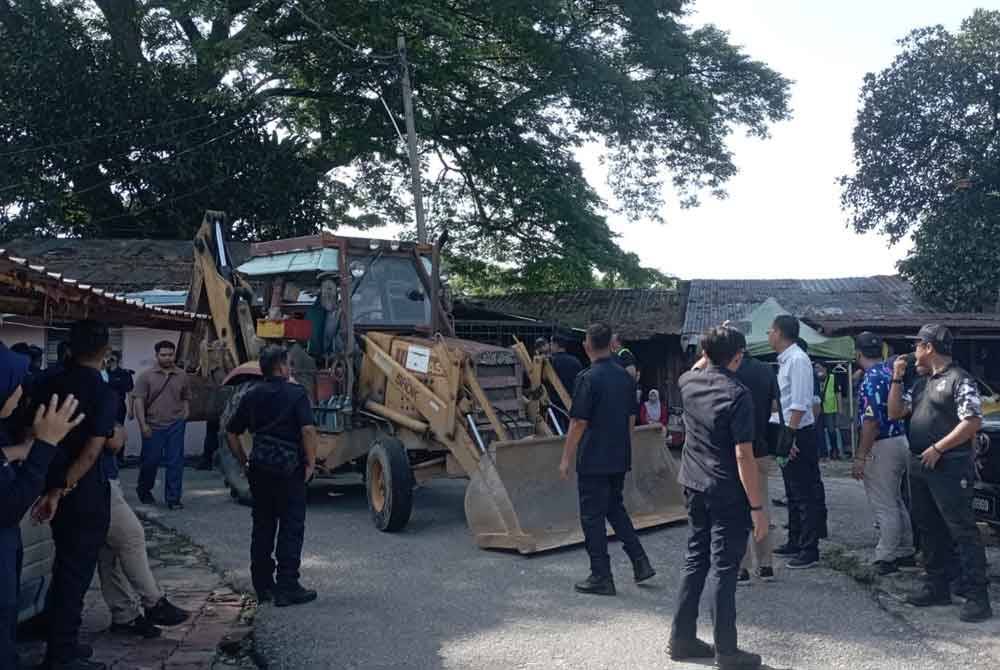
806	495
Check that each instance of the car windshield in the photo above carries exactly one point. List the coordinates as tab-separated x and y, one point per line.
389	293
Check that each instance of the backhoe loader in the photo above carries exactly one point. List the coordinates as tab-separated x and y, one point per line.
397	397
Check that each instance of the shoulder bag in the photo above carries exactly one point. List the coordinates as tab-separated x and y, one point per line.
780	437
274	455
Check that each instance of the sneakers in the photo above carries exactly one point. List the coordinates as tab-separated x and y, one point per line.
744	578
929	596
883	568
296	595
803	561
787	550
681	650
643	570
765	574
165	613
600	586
738	660
145	497
175	506
975	610
140	627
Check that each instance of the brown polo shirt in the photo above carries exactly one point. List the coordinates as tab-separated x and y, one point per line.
167	406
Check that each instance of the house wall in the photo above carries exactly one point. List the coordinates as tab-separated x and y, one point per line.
137	355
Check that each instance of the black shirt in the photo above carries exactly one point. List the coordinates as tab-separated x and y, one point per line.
605	397
624	358
567	367
100	405
718	415
762	383
120	381
275	407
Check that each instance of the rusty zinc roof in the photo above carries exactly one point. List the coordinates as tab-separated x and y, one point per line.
637	314
33	290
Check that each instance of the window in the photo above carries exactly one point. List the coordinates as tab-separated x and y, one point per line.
59	332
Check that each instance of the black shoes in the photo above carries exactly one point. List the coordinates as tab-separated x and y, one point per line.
803	561
600	586
883	568
175	506
738	660
296	595
929	596
165	613
765	574
976	609
145	497
643	570
743	579
681	650
787	550
140	627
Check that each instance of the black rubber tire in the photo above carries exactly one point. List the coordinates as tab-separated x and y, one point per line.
389	484
239	487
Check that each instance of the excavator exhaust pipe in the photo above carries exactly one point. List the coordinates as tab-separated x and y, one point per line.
517	500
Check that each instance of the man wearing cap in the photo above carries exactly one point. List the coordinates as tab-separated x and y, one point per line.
944	419
882	459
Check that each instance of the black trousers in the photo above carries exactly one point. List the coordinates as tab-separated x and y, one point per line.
279	508
718	538
211	443
942	508
79	530
806	494
11	555
600	502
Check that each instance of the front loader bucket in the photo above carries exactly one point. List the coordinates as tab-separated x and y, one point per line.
516	499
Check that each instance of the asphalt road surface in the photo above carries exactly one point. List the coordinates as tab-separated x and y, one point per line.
427	598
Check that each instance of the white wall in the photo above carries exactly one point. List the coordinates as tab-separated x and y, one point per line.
11	334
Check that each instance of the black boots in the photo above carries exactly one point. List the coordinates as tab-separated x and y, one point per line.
295	595
643	570
682	650
929	596
738	660
595	585
977	607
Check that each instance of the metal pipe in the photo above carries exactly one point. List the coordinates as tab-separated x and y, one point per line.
475	432
397	417
555	422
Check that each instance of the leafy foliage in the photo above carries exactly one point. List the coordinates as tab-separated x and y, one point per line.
290	129
927	153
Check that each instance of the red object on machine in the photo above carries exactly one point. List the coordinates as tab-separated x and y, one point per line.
284	329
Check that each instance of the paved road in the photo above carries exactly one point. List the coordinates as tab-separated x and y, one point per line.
427	598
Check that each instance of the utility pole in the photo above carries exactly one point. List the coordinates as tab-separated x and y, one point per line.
411	141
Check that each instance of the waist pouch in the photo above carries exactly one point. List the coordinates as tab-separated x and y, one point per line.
275	456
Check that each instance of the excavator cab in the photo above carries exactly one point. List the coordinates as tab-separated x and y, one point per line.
398	398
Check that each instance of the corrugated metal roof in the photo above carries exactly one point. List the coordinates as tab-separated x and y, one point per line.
636	313
713	301
28	279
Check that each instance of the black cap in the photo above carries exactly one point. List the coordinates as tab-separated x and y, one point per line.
937	335
869	344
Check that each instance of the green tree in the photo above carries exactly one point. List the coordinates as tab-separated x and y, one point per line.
506	92
927	157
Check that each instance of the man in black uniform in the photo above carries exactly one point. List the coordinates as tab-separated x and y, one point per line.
280	417
567	367
944	419
599	441
721	487
78	495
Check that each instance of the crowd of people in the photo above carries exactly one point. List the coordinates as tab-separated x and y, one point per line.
918	415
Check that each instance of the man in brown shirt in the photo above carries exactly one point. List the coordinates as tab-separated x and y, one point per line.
162	396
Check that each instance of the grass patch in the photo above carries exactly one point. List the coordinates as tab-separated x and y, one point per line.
837	559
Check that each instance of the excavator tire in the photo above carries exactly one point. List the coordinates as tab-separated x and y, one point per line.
389	484
232	473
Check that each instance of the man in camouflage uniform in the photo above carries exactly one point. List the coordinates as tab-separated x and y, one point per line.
944	419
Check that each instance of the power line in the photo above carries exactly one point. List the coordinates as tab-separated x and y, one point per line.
340	41
84	140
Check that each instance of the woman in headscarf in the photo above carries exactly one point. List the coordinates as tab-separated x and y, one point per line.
652	411
22	475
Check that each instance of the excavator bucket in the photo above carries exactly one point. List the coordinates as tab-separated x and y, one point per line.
516	499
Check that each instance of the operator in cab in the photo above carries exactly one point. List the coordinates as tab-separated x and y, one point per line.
278	414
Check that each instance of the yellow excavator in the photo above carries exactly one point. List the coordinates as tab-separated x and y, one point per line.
397	397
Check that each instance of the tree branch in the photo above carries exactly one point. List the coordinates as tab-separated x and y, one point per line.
123	25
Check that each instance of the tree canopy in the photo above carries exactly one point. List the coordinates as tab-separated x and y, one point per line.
927	157
128	118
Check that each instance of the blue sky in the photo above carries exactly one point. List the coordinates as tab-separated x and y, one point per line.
786	193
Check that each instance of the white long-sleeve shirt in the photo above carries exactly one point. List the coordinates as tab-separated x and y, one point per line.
795	381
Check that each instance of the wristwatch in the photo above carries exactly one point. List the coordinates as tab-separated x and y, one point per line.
759	508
